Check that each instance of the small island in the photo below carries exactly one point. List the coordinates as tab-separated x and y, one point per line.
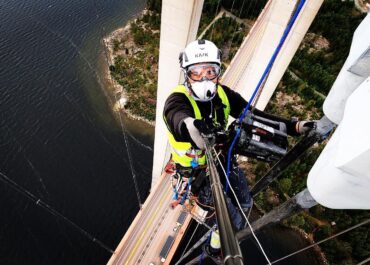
133	59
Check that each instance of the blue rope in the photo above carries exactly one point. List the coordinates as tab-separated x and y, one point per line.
263	77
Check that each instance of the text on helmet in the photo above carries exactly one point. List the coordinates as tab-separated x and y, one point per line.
198	55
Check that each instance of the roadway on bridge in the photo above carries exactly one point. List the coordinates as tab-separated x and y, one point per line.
148	232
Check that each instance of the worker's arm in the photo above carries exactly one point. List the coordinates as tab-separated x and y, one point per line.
176	109
181	121
238	103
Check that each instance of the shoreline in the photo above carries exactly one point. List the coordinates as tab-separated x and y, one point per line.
114	89
308	238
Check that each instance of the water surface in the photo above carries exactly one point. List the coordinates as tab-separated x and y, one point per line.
58	138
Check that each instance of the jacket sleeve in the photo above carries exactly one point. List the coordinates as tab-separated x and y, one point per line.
177	107
238	103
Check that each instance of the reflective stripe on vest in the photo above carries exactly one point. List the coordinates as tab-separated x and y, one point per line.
182	152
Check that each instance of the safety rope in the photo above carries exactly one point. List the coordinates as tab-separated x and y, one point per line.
188	187
322	241
241	209
264	75
5	179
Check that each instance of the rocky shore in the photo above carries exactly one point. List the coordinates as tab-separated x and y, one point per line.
116	91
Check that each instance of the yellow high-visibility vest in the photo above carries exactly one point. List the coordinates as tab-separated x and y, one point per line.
184	153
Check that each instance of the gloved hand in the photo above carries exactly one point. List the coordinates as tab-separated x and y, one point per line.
302	127
196	128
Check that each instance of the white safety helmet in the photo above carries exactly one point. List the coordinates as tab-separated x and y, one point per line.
200	51
197	53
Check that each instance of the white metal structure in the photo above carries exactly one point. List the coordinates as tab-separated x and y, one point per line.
351	75
179	26
340	178
257	48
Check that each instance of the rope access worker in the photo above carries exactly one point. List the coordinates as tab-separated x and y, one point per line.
197	106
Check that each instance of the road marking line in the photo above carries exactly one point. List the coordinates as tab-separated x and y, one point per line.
146	228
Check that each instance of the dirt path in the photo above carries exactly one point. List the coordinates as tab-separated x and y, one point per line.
222	12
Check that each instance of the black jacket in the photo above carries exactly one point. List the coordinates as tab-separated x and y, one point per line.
178	107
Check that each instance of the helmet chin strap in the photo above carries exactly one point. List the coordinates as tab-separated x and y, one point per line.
188	85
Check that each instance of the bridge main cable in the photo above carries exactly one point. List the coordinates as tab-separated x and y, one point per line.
4	178
229	244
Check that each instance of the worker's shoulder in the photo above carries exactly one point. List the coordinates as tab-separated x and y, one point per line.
225	88
177	95
176	98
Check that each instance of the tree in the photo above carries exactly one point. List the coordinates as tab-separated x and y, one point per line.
285	185
154	5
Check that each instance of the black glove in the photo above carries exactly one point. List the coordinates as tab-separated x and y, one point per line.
202	127
302	127
196	128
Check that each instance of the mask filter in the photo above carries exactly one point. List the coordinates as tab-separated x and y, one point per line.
204	90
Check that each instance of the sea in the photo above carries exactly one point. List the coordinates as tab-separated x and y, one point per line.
60	145
68	167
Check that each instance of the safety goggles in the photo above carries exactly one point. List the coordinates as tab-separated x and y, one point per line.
200	72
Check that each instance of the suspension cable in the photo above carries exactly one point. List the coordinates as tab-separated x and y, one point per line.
229	243
191	238
36	173
213	25
241	210
197	244
364	261
5	179
322	241
129	155
231	12
236	26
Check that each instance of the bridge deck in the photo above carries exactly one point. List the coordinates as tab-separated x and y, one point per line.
148	232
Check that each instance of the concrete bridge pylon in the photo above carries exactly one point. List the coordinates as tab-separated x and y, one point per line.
179	26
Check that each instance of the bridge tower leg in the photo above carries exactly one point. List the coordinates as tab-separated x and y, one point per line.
254	54
179	26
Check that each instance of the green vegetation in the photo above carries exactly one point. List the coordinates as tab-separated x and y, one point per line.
154	5
336	21
210	10
136	66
